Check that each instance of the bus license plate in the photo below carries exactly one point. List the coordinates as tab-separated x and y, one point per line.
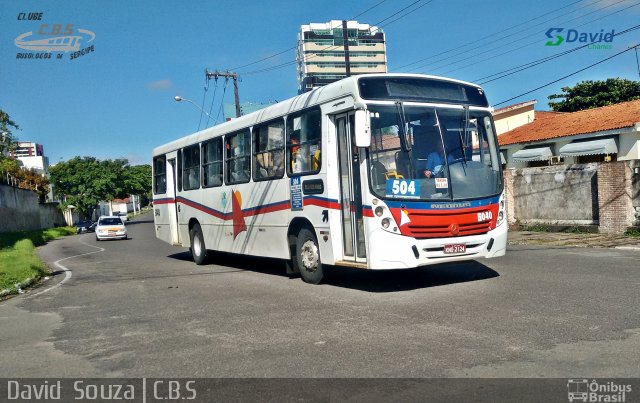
455	248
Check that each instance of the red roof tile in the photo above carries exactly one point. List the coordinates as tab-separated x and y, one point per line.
549	125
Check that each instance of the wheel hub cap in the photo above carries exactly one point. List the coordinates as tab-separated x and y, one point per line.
197	247
309	256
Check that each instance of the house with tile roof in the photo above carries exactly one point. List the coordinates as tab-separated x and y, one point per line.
514	116
577	168
608	133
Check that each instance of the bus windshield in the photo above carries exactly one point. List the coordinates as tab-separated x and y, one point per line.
437	154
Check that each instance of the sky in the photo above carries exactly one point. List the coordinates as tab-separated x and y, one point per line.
117	101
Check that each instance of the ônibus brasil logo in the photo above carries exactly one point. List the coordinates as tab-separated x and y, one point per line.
596	40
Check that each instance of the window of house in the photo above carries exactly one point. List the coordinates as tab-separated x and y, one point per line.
191	167
212	163
268	151
585	159
304	134
238	157
534	164
159	175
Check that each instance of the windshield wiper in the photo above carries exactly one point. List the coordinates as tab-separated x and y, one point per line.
405	144
466	132
402	128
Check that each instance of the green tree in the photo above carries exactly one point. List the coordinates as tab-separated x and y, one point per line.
138	180
6	136
85	181
593	94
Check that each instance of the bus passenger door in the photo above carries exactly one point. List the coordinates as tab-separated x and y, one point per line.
353	240
171	193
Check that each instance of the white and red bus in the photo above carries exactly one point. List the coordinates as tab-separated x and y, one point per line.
380	171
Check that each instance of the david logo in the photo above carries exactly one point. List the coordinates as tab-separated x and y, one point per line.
558	39
573	35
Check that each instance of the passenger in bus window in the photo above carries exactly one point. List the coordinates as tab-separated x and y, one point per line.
299	158
263	164
315	157
278	162
428	149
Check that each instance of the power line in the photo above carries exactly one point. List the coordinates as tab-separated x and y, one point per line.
533	34
397	12
294	47
224	91
505	37
490	35
637	62
204	95
215	89
534	63
263	59
568	75
404	15
492	57
331	47
367	10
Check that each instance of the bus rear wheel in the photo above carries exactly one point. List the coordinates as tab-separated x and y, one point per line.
308	257
198	248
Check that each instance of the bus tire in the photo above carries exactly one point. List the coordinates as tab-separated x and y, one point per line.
308	257
198	248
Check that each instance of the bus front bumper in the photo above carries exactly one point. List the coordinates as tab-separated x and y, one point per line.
400	252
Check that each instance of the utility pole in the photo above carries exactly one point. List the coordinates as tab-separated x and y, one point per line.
227	75
345	37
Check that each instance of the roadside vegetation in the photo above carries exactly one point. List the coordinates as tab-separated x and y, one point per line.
634	232
19	264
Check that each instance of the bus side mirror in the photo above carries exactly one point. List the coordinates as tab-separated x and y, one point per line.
362	129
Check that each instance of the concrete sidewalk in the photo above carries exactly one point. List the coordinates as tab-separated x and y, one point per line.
584	240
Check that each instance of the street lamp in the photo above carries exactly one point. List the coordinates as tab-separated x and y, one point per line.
178	98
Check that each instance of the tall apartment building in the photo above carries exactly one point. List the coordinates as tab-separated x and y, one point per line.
31	155
321	54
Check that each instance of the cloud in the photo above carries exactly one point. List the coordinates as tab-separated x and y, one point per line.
160	85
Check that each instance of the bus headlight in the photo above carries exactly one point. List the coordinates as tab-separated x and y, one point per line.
385	223
379	211
501	212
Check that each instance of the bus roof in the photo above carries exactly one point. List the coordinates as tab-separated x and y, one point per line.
346	86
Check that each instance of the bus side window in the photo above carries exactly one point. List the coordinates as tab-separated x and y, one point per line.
212	163
159	175
237	157
268	151
191	167
304	133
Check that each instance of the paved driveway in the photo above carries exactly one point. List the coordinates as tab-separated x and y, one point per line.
143	308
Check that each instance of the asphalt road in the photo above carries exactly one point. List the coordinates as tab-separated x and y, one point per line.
142	308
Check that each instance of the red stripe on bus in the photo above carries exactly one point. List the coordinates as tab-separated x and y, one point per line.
205	209
164	201
322	203
284	205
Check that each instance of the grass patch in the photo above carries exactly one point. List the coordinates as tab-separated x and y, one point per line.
18	261
575	230
537	228
632	232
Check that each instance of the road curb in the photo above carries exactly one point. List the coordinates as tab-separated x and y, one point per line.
636	248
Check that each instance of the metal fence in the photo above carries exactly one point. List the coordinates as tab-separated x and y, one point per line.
10	180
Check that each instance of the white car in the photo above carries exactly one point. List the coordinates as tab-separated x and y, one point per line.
110	227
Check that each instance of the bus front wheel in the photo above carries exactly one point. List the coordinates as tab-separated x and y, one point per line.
198	248
308	257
